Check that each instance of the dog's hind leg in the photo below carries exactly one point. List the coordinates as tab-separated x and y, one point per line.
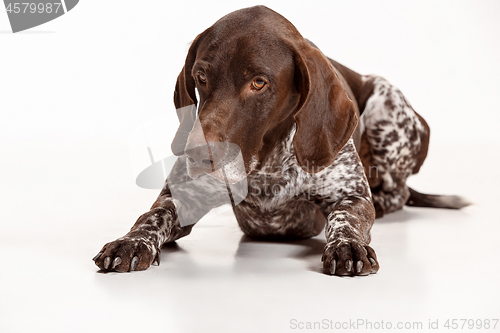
388	202
393	145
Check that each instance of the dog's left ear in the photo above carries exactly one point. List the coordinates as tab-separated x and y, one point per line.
185	101
326	117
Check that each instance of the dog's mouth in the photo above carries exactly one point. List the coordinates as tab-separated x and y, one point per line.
230	168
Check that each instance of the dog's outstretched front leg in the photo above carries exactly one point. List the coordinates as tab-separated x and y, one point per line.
182	199
348	235
140	247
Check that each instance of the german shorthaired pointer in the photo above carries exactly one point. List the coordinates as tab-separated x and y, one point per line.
322	146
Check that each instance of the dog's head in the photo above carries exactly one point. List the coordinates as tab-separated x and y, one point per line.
256	75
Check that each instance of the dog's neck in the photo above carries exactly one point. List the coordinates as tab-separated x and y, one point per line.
278	139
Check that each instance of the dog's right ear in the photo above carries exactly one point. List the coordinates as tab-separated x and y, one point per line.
326	116
185	101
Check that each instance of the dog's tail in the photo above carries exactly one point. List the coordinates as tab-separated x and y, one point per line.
418	199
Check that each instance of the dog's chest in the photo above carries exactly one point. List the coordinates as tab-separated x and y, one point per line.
278	180
281	181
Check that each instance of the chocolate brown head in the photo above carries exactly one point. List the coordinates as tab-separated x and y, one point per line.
256	77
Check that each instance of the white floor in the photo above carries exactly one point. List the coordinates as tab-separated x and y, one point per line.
57	212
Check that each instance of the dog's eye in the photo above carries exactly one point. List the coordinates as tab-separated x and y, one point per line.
202	77
258	84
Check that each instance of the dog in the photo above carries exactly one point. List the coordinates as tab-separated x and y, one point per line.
322	147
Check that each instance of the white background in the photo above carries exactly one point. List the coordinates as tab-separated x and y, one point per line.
72	91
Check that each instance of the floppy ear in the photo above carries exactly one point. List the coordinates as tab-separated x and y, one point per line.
326	117
185	101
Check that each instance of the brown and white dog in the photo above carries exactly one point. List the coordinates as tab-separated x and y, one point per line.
322	146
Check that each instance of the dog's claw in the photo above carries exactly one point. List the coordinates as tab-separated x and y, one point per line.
333	267
133	264
359	266
116	262
107	261
97	256
157	260
349	259
348	265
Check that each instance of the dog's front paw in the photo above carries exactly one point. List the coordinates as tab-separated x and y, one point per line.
349	257
126	254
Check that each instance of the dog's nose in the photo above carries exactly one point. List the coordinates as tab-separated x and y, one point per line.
205	156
